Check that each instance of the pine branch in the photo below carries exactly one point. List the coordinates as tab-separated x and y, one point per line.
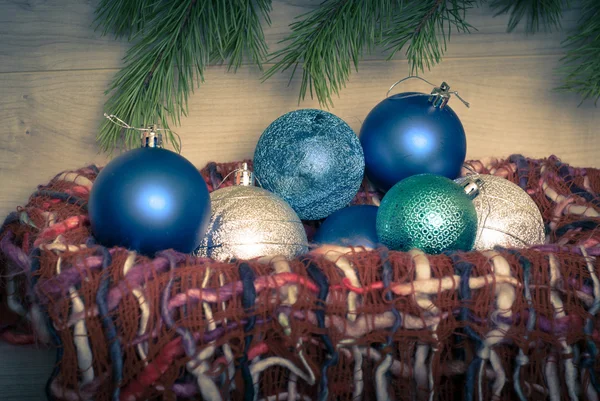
419	24
179	40
540	14
122	17
328	42
581	69
246	32
331	40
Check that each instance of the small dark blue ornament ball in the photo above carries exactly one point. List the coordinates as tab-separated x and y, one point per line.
149	199
405	135
312	159
350	226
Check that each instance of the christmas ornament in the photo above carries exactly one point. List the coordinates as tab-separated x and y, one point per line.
428	212
412	133
149	199
506	215
312	159
247	222
351	226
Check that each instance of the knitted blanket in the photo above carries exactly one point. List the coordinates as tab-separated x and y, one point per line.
335	324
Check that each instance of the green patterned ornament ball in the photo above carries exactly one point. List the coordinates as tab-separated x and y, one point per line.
427	212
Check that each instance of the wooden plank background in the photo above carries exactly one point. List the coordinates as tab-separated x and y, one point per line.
54	69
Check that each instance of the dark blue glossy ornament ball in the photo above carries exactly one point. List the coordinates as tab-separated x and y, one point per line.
350	226
312	159
149	199
406	134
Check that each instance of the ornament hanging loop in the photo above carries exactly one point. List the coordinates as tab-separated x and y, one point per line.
440	95
243	176
151	136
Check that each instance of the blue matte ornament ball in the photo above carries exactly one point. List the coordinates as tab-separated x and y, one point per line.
405	135
312	159
147	200
350	226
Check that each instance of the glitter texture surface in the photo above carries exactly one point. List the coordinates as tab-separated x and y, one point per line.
428	212
507	216
312	159
248	222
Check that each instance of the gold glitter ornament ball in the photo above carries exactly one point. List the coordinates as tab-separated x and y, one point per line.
506	215
248	222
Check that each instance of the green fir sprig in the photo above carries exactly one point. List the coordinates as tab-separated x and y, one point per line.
176	41
122	17
418	25
581	64
329	41
540	14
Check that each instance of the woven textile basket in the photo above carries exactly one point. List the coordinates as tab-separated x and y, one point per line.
337	323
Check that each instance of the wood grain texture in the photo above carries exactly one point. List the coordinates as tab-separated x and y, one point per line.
50	118
54	69
24	371
43	35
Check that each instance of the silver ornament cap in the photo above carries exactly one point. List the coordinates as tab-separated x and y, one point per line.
472	187
244	176
151	138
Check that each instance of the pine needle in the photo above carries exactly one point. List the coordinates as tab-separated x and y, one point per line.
176	41
328	42
419	24
581	64
122	17
540	14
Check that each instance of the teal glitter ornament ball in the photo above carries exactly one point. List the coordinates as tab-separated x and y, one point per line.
312	159
427	212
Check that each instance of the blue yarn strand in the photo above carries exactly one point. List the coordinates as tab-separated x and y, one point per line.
463	269
13	217
73	200
248	302
114	344
386	277
323	283
35	267
526	267
472	371
522	169
588	329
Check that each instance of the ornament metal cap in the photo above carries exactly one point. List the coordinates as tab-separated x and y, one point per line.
440	95
472	187
151	138
243	176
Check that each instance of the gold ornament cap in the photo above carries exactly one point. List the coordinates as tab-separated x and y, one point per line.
243	176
